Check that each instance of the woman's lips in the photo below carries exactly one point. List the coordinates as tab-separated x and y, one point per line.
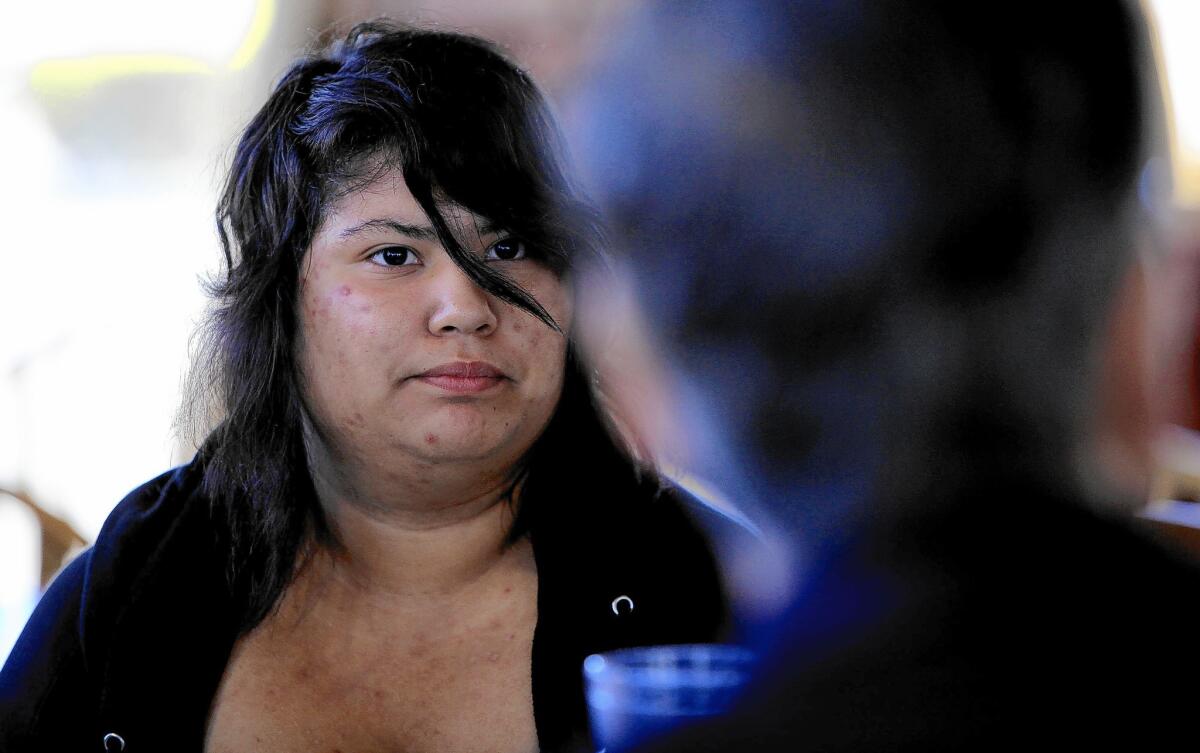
463	376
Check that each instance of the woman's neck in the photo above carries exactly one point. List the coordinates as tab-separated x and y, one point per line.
398	555
429	530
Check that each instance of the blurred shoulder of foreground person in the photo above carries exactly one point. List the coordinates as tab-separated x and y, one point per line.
906	251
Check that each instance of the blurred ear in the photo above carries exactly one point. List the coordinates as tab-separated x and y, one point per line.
1174	306
1145	365
1124	415
635	382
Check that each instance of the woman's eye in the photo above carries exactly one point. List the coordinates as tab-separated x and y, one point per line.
394	256
506	250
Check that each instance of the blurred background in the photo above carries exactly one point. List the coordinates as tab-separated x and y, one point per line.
119	118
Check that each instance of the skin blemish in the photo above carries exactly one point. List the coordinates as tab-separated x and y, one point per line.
431	439
344	291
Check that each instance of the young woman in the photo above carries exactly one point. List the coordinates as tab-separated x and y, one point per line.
411	525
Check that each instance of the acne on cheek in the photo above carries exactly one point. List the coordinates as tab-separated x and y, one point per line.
345	291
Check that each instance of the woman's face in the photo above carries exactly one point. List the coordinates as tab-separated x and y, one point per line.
400	352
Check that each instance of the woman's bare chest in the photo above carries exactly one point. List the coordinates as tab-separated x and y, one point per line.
460	683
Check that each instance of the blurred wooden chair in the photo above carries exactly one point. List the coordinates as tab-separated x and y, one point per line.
60	541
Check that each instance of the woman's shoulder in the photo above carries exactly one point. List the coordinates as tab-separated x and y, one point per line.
682	507
148	518
752	563
164	520
715	513
61	657
664	516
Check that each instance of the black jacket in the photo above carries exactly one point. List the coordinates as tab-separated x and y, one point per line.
132	638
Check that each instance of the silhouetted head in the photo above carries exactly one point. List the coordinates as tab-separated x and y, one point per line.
883	239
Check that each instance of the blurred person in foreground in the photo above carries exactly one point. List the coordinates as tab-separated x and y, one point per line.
411	524
902	251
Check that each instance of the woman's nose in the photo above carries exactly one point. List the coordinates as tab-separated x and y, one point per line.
460	306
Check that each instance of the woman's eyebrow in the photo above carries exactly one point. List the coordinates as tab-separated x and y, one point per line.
416	232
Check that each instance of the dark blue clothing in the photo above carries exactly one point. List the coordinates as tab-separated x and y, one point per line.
133	636
1008	619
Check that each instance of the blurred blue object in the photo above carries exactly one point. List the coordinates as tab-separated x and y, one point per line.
635	694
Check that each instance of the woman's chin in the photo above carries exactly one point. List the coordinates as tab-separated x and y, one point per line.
449	446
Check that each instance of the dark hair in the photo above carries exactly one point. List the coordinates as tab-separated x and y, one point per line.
464	126
892	230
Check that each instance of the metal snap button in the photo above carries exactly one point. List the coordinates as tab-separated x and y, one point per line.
114	743
616	605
